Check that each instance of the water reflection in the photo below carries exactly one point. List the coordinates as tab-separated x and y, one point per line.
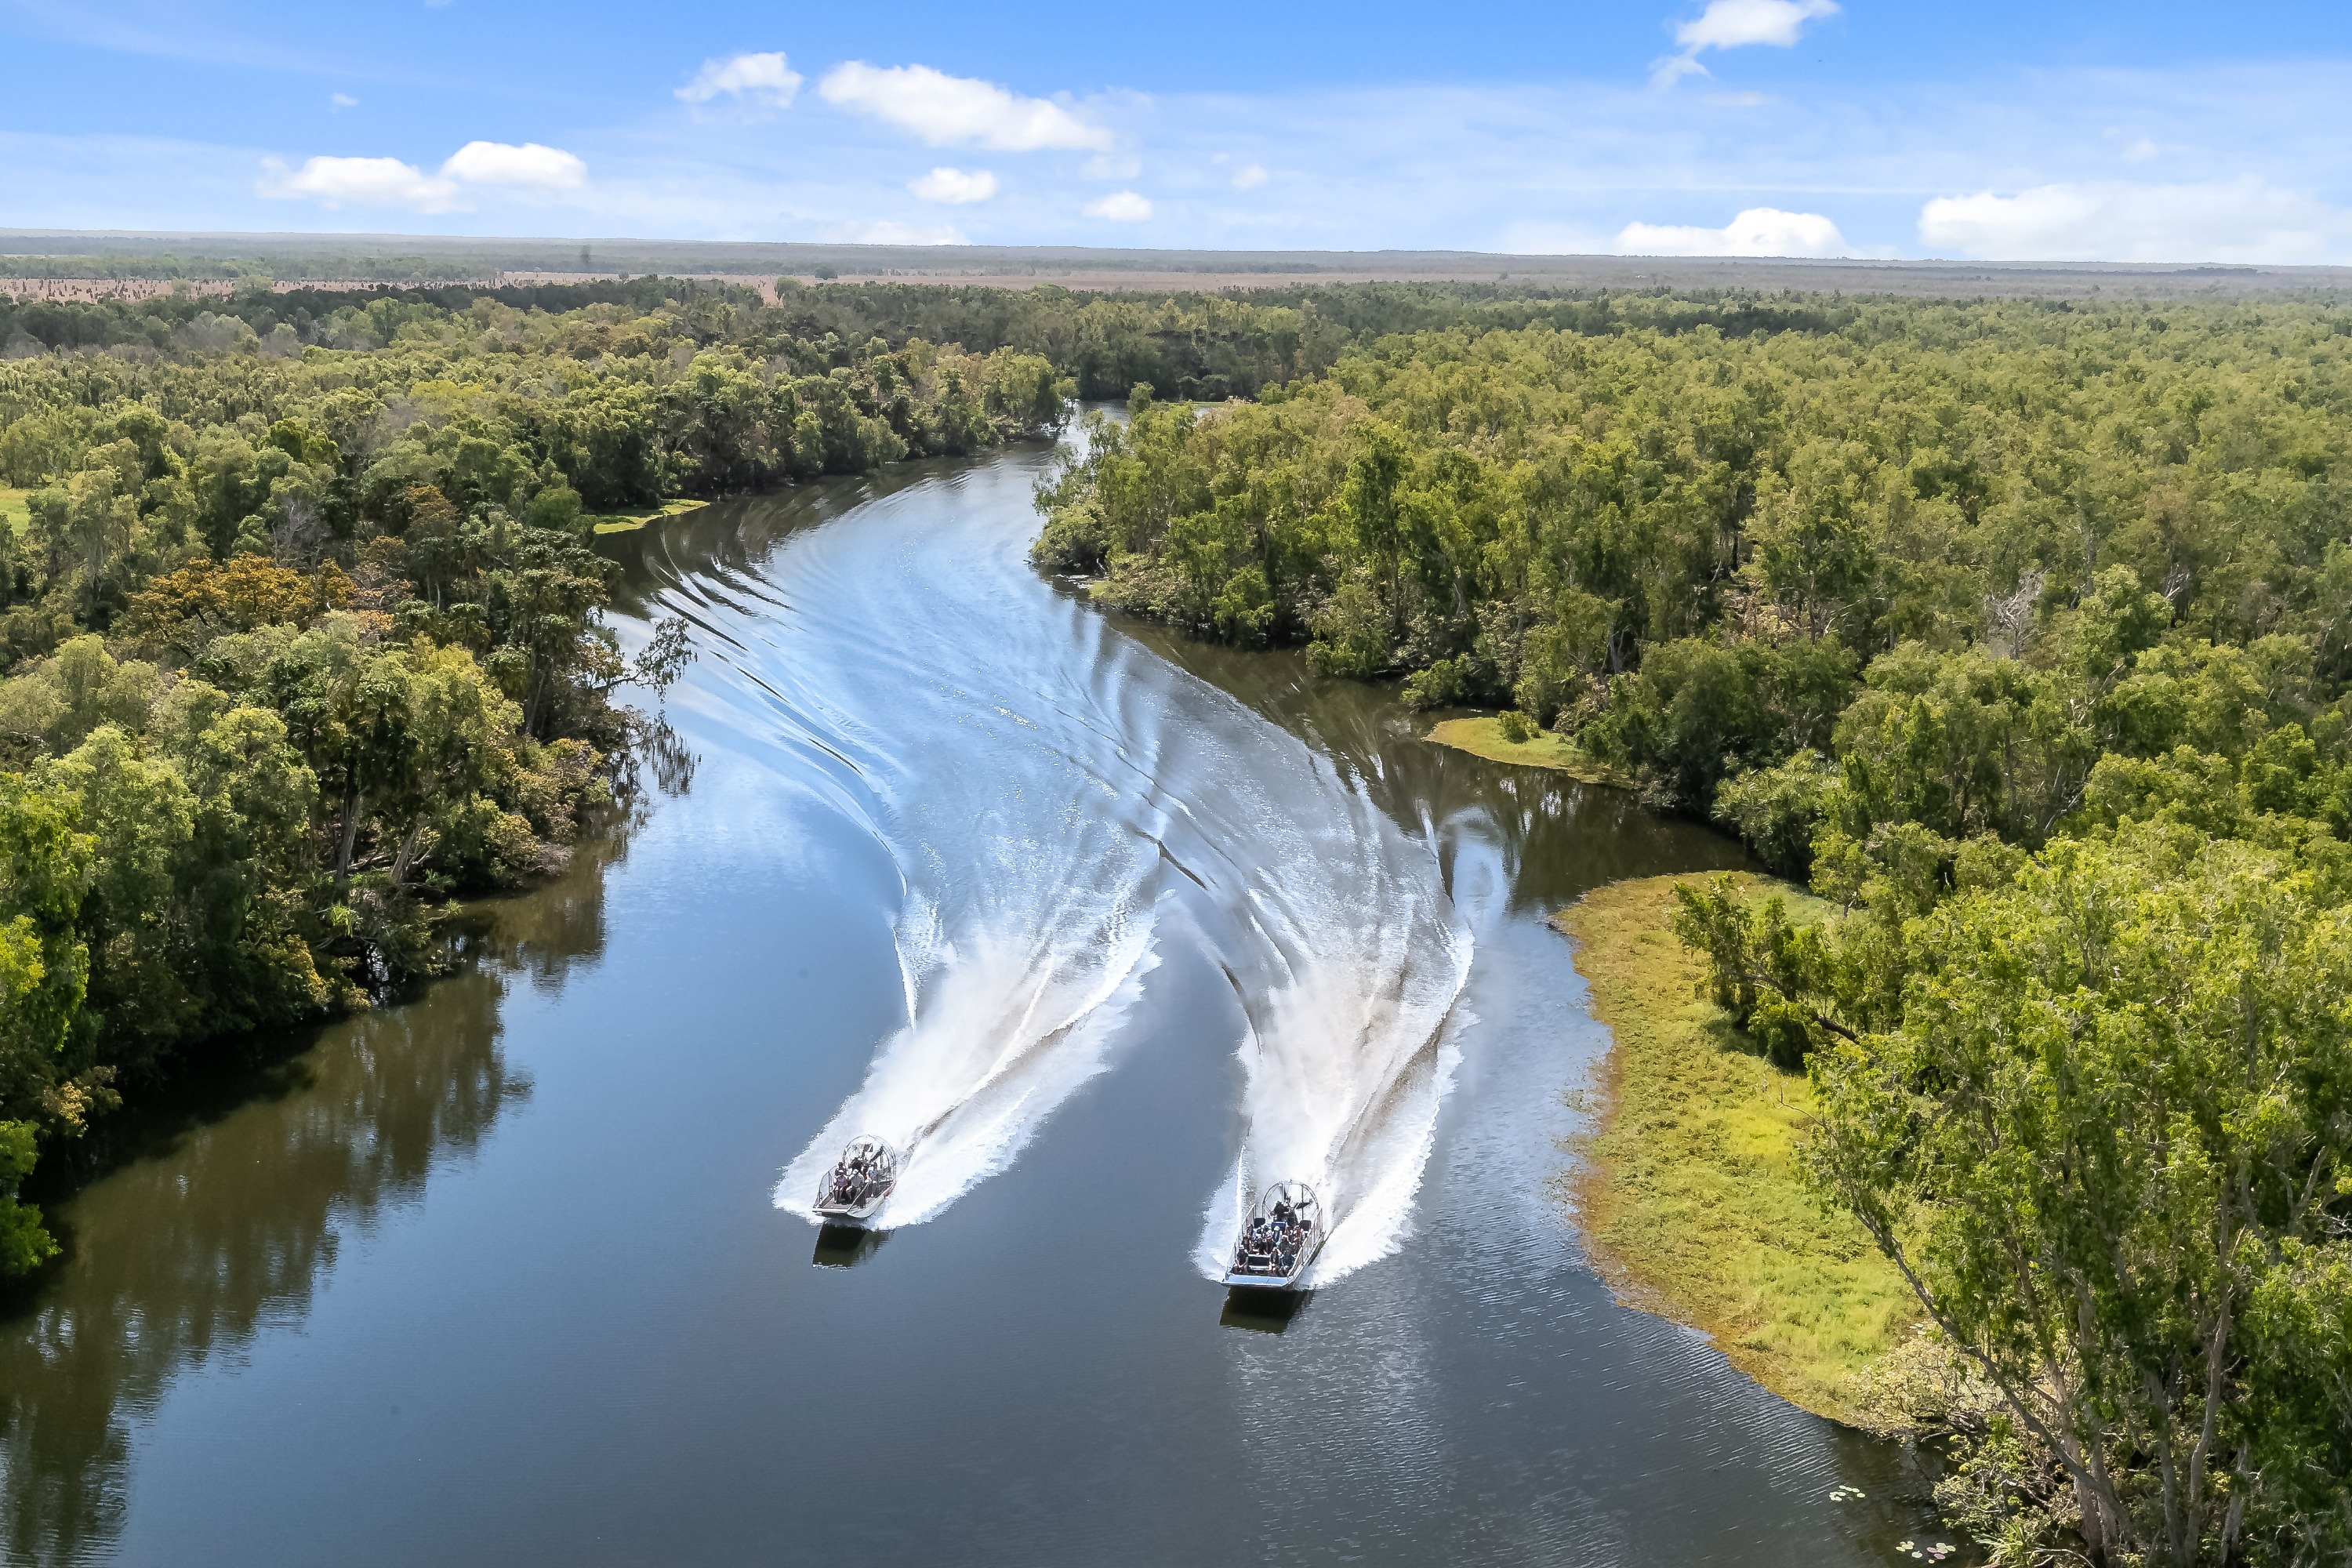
847	1246
1265	1312
220	1232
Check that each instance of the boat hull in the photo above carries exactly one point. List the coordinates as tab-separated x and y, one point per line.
1267	1281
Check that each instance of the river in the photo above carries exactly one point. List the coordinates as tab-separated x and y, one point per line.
1117	926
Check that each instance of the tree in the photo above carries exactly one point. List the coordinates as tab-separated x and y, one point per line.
45	1078
347	710
86	526
2106	1143
181	611
24	1245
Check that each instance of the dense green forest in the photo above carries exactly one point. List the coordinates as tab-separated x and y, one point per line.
2023	631
300	621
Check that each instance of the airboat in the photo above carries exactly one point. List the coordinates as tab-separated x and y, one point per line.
858	1184
1283	1233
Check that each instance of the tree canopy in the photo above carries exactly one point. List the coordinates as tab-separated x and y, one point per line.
2024	631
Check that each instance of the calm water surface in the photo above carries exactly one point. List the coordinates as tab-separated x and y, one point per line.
512	1272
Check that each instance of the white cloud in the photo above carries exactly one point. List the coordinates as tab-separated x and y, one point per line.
954	185
763	80
2141	150
1758	231
1736	25
945	110
901	234
341	100
389	182
2242	220
1250	177
363	181
1119	206
531	166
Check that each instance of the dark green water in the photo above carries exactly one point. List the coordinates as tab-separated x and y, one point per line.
499	1274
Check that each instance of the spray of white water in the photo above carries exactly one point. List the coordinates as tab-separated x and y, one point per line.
1033	773
891	685
1004	1026
1351	961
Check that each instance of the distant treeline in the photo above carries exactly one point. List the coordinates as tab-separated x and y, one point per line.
361	268
1206	345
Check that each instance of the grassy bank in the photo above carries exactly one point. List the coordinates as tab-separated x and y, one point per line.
629	521
1690	1196
1484	738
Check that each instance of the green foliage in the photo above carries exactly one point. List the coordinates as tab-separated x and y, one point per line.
24	1245
2106	1138
1761	968
2011	537
1779	808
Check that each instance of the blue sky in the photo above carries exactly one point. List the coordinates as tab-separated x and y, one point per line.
2160	131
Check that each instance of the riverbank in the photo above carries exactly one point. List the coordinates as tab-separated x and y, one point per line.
630	521
1689	1194
1484	738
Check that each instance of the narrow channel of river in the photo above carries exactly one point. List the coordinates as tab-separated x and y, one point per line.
1118	926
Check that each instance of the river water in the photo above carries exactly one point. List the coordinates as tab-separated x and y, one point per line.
1113	928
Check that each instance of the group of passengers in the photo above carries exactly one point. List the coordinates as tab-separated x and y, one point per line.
858	1178
1271	1241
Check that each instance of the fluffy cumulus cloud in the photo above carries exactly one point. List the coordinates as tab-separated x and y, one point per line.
390	182
529	166
2244	220
360	182
947	111
1758	231
767	81
1119	206
1737	24
954	187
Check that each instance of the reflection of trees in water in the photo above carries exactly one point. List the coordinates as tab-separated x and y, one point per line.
661	751
545	932
179	1259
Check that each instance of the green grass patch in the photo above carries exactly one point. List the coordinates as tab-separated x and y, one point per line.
1690	1195
629	521
16	507
1484	738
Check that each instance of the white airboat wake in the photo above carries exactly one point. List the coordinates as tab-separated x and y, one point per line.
1032	774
